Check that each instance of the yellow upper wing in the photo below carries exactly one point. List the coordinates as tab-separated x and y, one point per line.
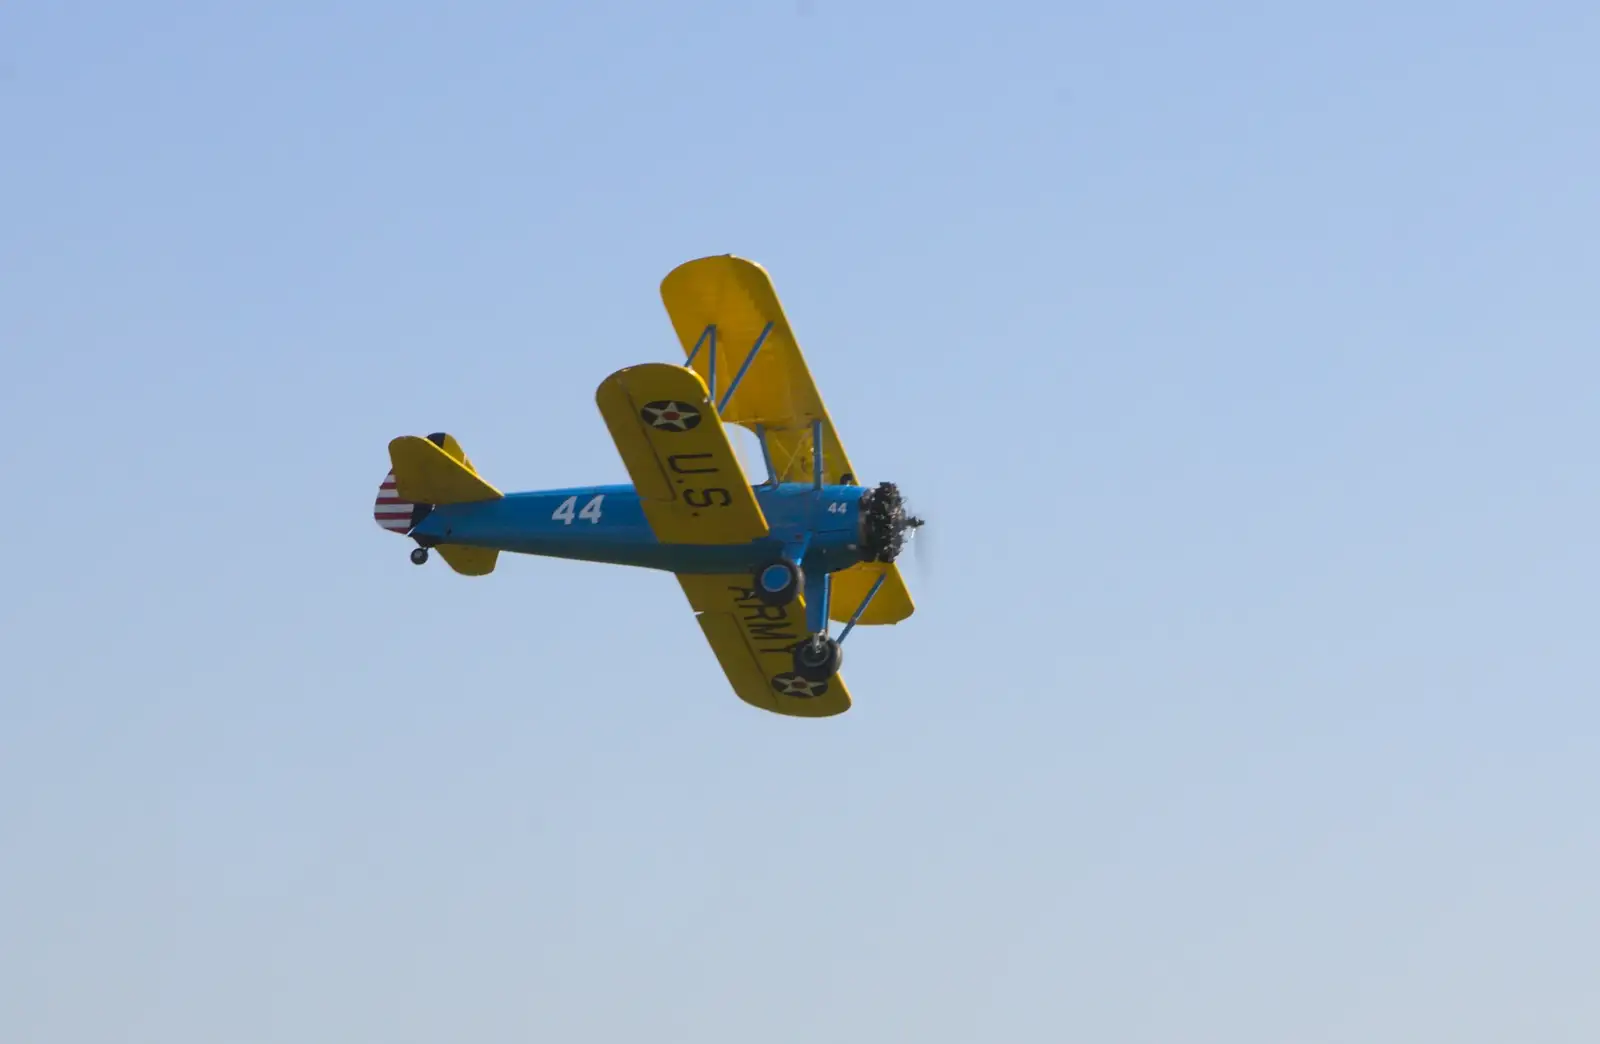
688	478
754	643
736	298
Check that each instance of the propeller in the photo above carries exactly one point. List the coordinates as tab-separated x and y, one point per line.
920	539
888	525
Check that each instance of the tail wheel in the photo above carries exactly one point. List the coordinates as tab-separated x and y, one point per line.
419	556
779	583
818	658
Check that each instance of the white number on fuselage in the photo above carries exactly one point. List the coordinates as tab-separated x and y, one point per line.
590	512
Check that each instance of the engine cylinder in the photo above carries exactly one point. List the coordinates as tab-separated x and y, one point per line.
884	523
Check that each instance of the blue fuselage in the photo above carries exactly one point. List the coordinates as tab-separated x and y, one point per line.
607	524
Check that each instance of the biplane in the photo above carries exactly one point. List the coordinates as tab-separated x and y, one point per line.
767	566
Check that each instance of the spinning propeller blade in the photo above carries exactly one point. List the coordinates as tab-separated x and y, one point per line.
920	540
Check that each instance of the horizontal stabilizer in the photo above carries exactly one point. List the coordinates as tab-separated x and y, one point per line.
469	561
426	474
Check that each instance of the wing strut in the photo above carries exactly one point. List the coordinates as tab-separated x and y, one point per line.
816	453
708	339
726	398
766	455
863	606
711	332
711	376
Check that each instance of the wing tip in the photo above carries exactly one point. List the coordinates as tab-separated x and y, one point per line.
717	264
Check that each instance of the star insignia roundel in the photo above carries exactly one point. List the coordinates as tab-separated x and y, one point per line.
800	688
670	416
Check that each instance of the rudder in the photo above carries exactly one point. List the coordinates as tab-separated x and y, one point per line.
394	513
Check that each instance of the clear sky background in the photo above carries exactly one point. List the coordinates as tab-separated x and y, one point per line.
1243	355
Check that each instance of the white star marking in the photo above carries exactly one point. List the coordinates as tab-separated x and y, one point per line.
674	416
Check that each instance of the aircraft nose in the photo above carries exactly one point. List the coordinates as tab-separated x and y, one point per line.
884	522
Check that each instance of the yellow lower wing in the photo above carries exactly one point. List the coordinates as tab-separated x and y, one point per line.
890	605
754	643
683	467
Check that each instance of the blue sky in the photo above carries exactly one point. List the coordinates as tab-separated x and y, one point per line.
1242	356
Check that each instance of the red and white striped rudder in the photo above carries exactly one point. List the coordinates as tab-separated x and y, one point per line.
390	511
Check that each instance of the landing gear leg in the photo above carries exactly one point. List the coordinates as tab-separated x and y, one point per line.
819	656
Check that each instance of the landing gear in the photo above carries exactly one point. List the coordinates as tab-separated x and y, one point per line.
419	556
779	583
818	658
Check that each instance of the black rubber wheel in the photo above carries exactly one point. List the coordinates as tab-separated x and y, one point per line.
419	555
779	583
818	658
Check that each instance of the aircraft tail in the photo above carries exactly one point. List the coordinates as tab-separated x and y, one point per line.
425	474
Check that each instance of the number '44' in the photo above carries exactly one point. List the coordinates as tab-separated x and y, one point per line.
590	512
